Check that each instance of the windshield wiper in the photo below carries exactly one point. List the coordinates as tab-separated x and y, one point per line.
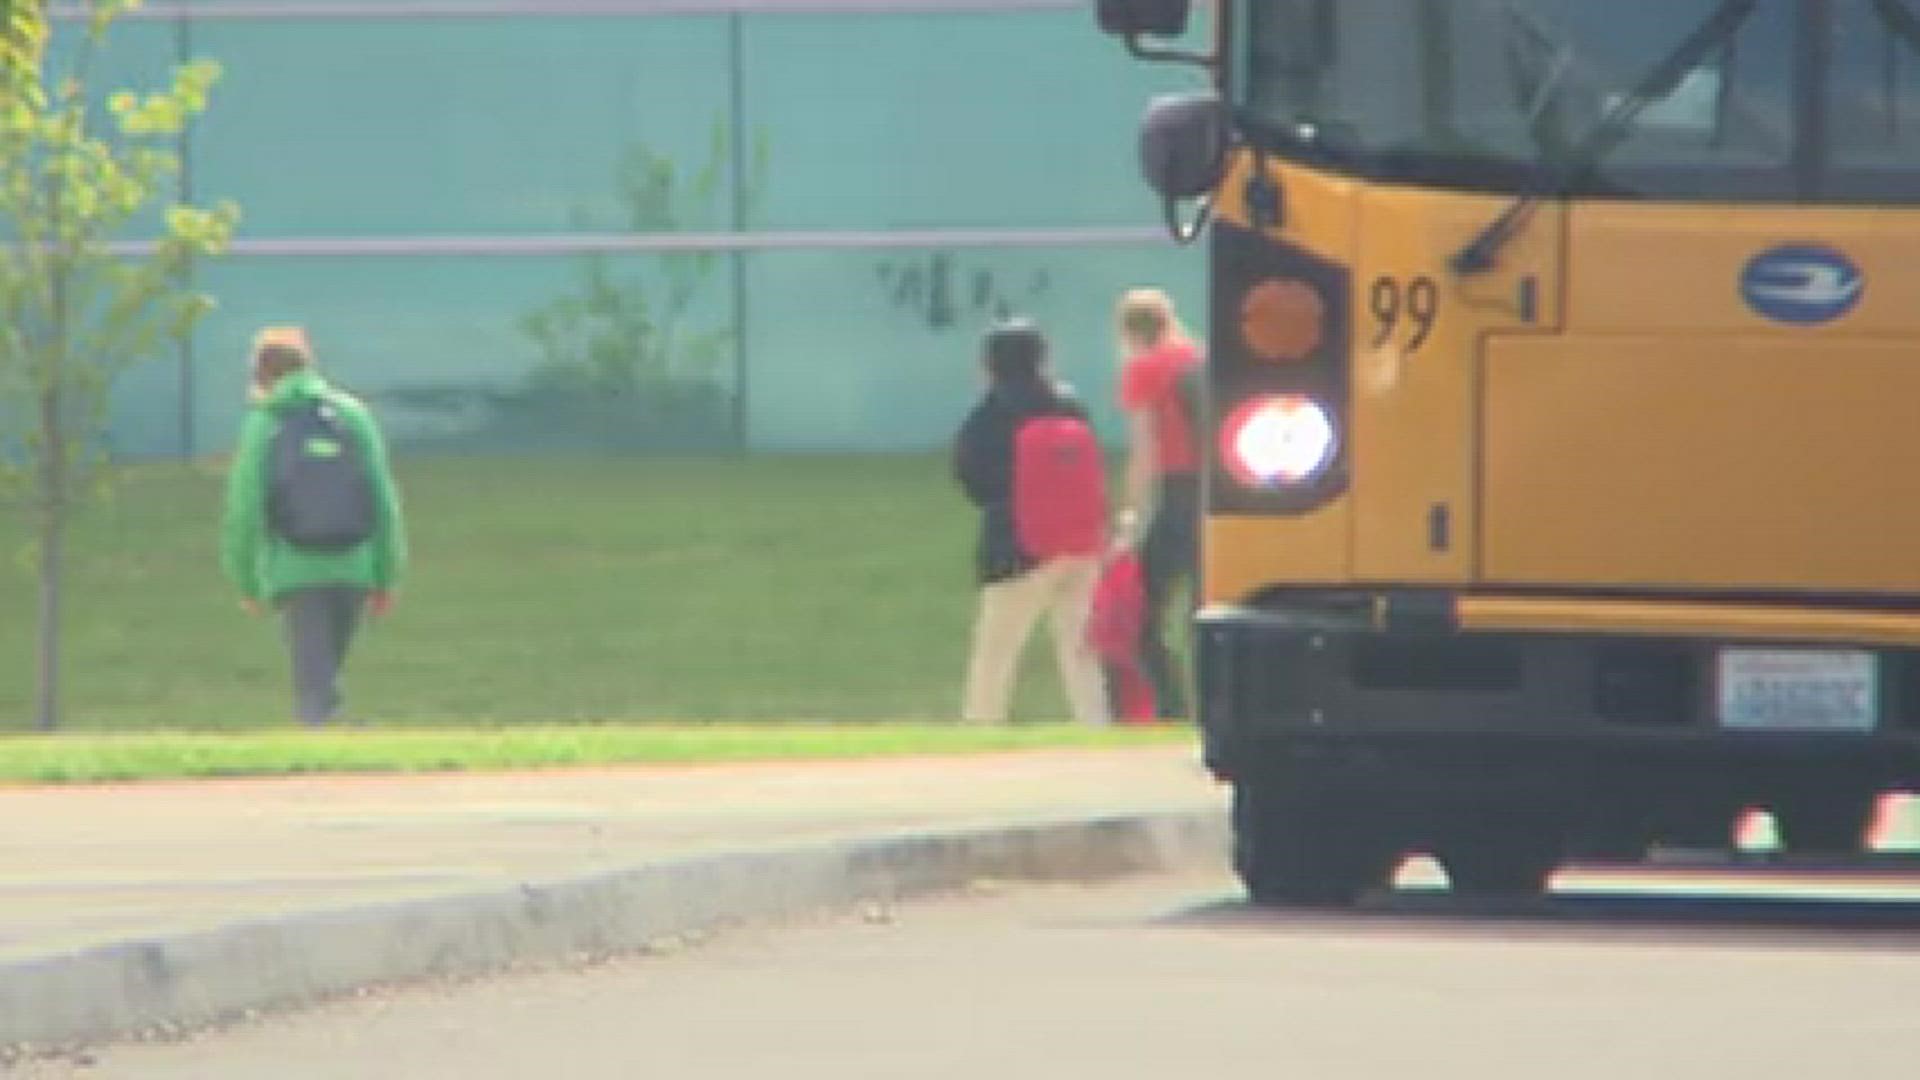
1538	77
1482	253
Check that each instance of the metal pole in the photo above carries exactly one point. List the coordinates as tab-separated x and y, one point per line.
737	109
183	43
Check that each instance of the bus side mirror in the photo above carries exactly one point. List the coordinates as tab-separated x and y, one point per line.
1183	144
1131	18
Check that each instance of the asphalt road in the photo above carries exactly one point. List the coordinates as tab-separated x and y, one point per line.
1673	973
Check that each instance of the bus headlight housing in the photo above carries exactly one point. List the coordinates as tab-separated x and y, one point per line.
1279	442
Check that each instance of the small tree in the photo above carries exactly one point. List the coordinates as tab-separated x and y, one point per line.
78	302
622	338
23	31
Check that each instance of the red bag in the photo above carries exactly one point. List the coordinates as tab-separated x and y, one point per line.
1059	489
1113	632
1119	610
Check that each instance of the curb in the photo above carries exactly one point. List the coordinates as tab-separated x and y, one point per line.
200	978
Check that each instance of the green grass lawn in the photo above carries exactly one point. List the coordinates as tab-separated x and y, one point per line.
90	758
549	590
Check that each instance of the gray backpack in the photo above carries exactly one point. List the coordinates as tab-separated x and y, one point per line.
320	495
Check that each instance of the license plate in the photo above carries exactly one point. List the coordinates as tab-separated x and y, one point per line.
1799	690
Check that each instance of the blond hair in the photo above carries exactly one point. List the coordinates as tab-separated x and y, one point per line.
278	351
1148	317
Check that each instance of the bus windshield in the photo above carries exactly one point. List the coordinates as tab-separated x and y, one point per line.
1792	100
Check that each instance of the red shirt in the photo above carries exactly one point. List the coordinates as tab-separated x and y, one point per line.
1151	381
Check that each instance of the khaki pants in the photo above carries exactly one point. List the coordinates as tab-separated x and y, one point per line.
1008	610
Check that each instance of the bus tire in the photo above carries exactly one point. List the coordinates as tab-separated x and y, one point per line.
1501	865
1700	826
1830	824
1296	847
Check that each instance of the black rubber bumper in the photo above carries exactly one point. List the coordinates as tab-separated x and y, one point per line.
1434	705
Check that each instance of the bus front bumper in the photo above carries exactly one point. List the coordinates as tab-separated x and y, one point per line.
1432	705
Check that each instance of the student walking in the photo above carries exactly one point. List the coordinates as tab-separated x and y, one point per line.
1027	457
1163	481
312	524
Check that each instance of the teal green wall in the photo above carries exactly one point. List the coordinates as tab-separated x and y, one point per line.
396	130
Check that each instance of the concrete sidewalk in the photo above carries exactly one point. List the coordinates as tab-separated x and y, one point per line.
89	865
195	886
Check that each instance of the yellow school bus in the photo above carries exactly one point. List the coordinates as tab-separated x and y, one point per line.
1564	400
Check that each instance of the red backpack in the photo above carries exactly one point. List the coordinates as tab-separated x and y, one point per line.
1113	631
1059	489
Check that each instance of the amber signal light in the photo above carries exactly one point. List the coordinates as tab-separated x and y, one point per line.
1283	320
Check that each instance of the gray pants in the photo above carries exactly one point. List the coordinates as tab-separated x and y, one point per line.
1169	556
319	627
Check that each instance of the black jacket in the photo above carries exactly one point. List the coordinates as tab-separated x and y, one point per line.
983	464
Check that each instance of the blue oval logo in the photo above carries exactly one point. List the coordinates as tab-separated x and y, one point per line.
1802	285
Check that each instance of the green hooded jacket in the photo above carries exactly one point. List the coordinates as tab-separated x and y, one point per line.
263	566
